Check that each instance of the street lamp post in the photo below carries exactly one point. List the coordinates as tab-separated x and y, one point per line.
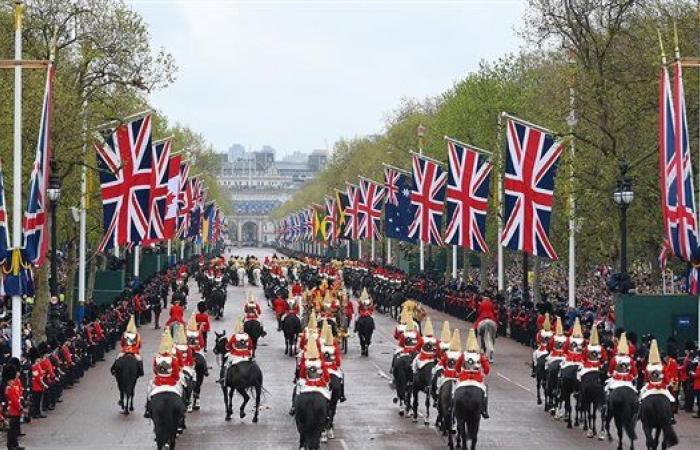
54	193
623	197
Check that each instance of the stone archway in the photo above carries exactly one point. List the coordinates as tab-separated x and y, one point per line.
250	233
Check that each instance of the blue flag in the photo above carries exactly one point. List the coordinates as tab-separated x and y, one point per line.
398	211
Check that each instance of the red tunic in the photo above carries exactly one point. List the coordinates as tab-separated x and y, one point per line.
239	352
453	372
37	377
486	311
322	381
279	305
335	364
133	349
365	311
476	375
408	349
425	355
177	314
167	380
629	376
203	323
13	397
252	313
67	355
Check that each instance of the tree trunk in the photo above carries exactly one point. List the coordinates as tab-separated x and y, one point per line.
70	276
484	272
41	303
90	284
536	285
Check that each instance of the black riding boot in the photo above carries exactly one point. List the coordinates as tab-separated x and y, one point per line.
485	408
342	398
140	371
147	412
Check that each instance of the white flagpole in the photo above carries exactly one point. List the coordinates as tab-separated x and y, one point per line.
420	132
82	244
170	249
347	248
454	262
182	249
499	184
388	251
372	250
572	205
359	250
137	261
17	181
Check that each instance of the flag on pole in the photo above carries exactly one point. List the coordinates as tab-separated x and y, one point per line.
352	214
341	203
185	201
4	229
35	224
160	182
532	159
663	256
399	212
124	160
467	196
428	197
171	200
370	209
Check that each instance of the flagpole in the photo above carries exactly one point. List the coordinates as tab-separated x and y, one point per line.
372	250
137	261
454	262
182	249
17	180
170	249
420	132
499	187
82	244
572	122
359	250
388	251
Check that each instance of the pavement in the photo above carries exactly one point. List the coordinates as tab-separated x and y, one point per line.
89	417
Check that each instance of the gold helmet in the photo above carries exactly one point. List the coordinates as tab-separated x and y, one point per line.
546	326
428	328
445	335
623	347
472	344
166	343
456	341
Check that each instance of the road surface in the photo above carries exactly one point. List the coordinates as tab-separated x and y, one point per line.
89	417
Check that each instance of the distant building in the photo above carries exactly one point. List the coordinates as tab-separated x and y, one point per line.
258	183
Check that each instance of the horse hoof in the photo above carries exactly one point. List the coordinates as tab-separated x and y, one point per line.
601	437
242	415
539	402
255	420
131	408
426	423
590	434
228	418
415	420
568	425
401	413
395	400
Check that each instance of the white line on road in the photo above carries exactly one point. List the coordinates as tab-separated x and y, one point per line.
513	382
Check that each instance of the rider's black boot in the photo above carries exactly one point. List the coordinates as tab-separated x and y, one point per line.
147	413
342	392
485	408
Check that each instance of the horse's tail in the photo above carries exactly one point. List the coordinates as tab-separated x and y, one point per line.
670	435
489	338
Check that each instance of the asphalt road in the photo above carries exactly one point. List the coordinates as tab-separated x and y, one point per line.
89	417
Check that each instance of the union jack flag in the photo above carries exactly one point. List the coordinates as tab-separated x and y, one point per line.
467	196
172	199
4	230
391	179
532	158
125	160
185	201
352	212
159	191
35	224
428	197
370	209
331	219
308	224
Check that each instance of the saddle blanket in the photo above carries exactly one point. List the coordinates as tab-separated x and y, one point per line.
418	364
177	389
551	359
231	360
337	373
566	364
647	392
584	370
537	353
321	390
475	383
442	381
614	384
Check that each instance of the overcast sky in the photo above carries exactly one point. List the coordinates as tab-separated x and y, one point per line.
298	74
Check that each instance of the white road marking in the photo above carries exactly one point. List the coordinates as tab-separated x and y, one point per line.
343	444
513	382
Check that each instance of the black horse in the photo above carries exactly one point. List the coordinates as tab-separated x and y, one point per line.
242	377
656	414
254	329
126	371
552	386
541	380
167	412
215	303
623	406
364	327
421	383
403	377
445	407
592	398
311	412
569	386
291	327
468	404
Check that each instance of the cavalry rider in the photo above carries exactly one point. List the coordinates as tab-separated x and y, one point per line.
310	333
622	369
239	347
364	306
474	368
279	305
177	313
166	371
542	342
329	307
557	345
428	349
574	347
593	355
131	343
331	356
311	374
486	311
405	346
195	335
450	351
655	376
203	323
252	308
183	353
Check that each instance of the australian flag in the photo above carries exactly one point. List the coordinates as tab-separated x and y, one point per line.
398	216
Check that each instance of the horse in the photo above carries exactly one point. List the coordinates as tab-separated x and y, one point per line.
334	387
623	406
656	414
254	329
541	379
487	337
403	377
311	412
592	398
215	303
291	327
364	327
445	408
240	272
422	379
569	385
126	371
167	413
201	371
242	377
256	276
468	403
